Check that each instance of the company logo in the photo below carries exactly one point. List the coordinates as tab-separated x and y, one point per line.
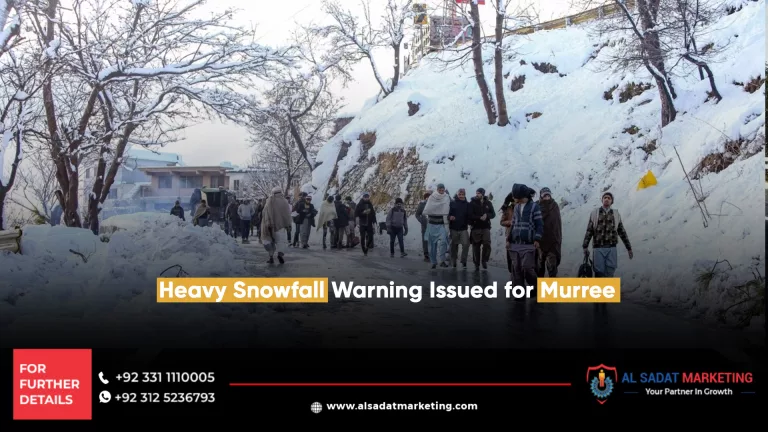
601	380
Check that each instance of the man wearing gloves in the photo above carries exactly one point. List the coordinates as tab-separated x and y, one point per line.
480	214
436	211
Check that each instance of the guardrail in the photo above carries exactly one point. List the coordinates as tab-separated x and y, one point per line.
597	13
10	241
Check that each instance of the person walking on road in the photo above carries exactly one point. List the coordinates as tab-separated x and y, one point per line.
397	226
458	215
423	221
307	215
525	236
276	218
351	209
551	241
436	211
244	213
507	211
341	223
325	220
605	228
366	220
480	214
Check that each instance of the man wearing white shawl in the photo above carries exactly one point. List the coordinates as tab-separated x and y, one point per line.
276	217
326	217
436	211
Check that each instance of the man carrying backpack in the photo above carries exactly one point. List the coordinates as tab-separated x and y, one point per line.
606	228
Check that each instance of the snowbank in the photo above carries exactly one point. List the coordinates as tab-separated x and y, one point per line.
580	144
74	279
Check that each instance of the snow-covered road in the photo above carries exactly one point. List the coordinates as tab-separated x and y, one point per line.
471	323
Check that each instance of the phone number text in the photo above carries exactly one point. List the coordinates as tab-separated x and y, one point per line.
166	397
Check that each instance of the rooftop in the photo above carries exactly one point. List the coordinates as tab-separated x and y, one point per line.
144	154
185	170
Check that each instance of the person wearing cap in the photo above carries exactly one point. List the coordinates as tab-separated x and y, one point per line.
436	210
458	215
604	229
297	218
366	220
276	218
551	241
307	213
397	226
423	221
525	236
481	212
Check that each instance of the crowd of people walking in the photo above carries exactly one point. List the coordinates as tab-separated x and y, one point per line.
449	225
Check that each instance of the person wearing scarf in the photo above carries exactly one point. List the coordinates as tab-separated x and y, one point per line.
551	241
326	217
201	214
436	211
276	218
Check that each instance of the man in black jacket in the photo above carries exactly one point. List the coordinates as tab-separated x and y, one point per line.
366	220
178	211
459	218
341	222
480	214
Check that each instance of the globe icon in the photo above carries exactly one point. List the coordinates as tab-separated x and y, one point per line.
317	407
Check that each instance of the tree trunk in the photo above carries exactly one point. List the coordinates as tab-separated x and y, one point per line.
2	208
299	143
499	72
696	50
654	58
477	59
396	75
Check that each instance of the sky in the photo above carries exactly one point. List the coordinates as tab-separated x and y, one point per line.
213	142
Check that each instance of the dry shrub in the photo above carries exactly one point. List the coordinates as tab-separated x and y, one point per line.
631	90
517	83
608	95
545	67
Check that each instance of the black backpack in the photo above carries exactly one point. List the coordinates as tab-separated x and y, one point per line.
585	270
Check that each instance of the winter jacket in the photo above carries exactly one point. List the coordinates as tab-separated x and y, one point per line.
178	211
305	211
553	228
506	218
245	211
397	218
366	219
420	214
342	212
478	208
606	232
527	224
460	212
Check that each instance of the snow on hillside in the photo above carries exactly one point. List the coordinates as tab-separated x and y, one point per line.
113	283
578	147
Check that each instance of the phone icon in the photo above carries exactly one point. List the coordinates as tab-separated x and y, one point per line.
103	380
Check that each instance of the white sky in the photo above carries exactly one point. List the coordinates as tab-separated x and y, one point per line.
212	142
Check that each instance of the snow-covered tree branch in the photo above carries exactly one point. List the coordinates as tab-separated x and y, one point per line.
136	72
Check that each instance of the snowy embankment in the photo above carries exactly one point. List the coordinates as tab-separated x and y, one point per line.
574	132
71	279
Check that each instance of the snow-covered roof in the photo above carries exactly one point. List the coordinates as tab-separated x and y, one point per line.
143	154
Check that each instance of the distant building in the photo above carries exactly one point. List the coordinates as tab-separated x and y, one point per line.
447	30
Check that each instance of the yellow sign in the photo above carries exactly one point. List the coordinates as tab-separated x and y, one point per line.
245	290
420	14
578	290
648	180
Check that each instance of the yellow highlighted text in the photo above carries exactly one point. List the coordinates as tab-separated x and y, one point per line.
578	290
242	290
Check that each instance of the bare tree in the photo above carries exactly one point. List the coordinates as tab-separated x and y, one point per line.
686	20
20	80
396	14
645	47
277	160
136	73
355	38
36	190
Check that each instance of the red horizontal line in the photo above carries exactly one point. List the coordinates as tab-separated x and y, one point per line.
400	384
